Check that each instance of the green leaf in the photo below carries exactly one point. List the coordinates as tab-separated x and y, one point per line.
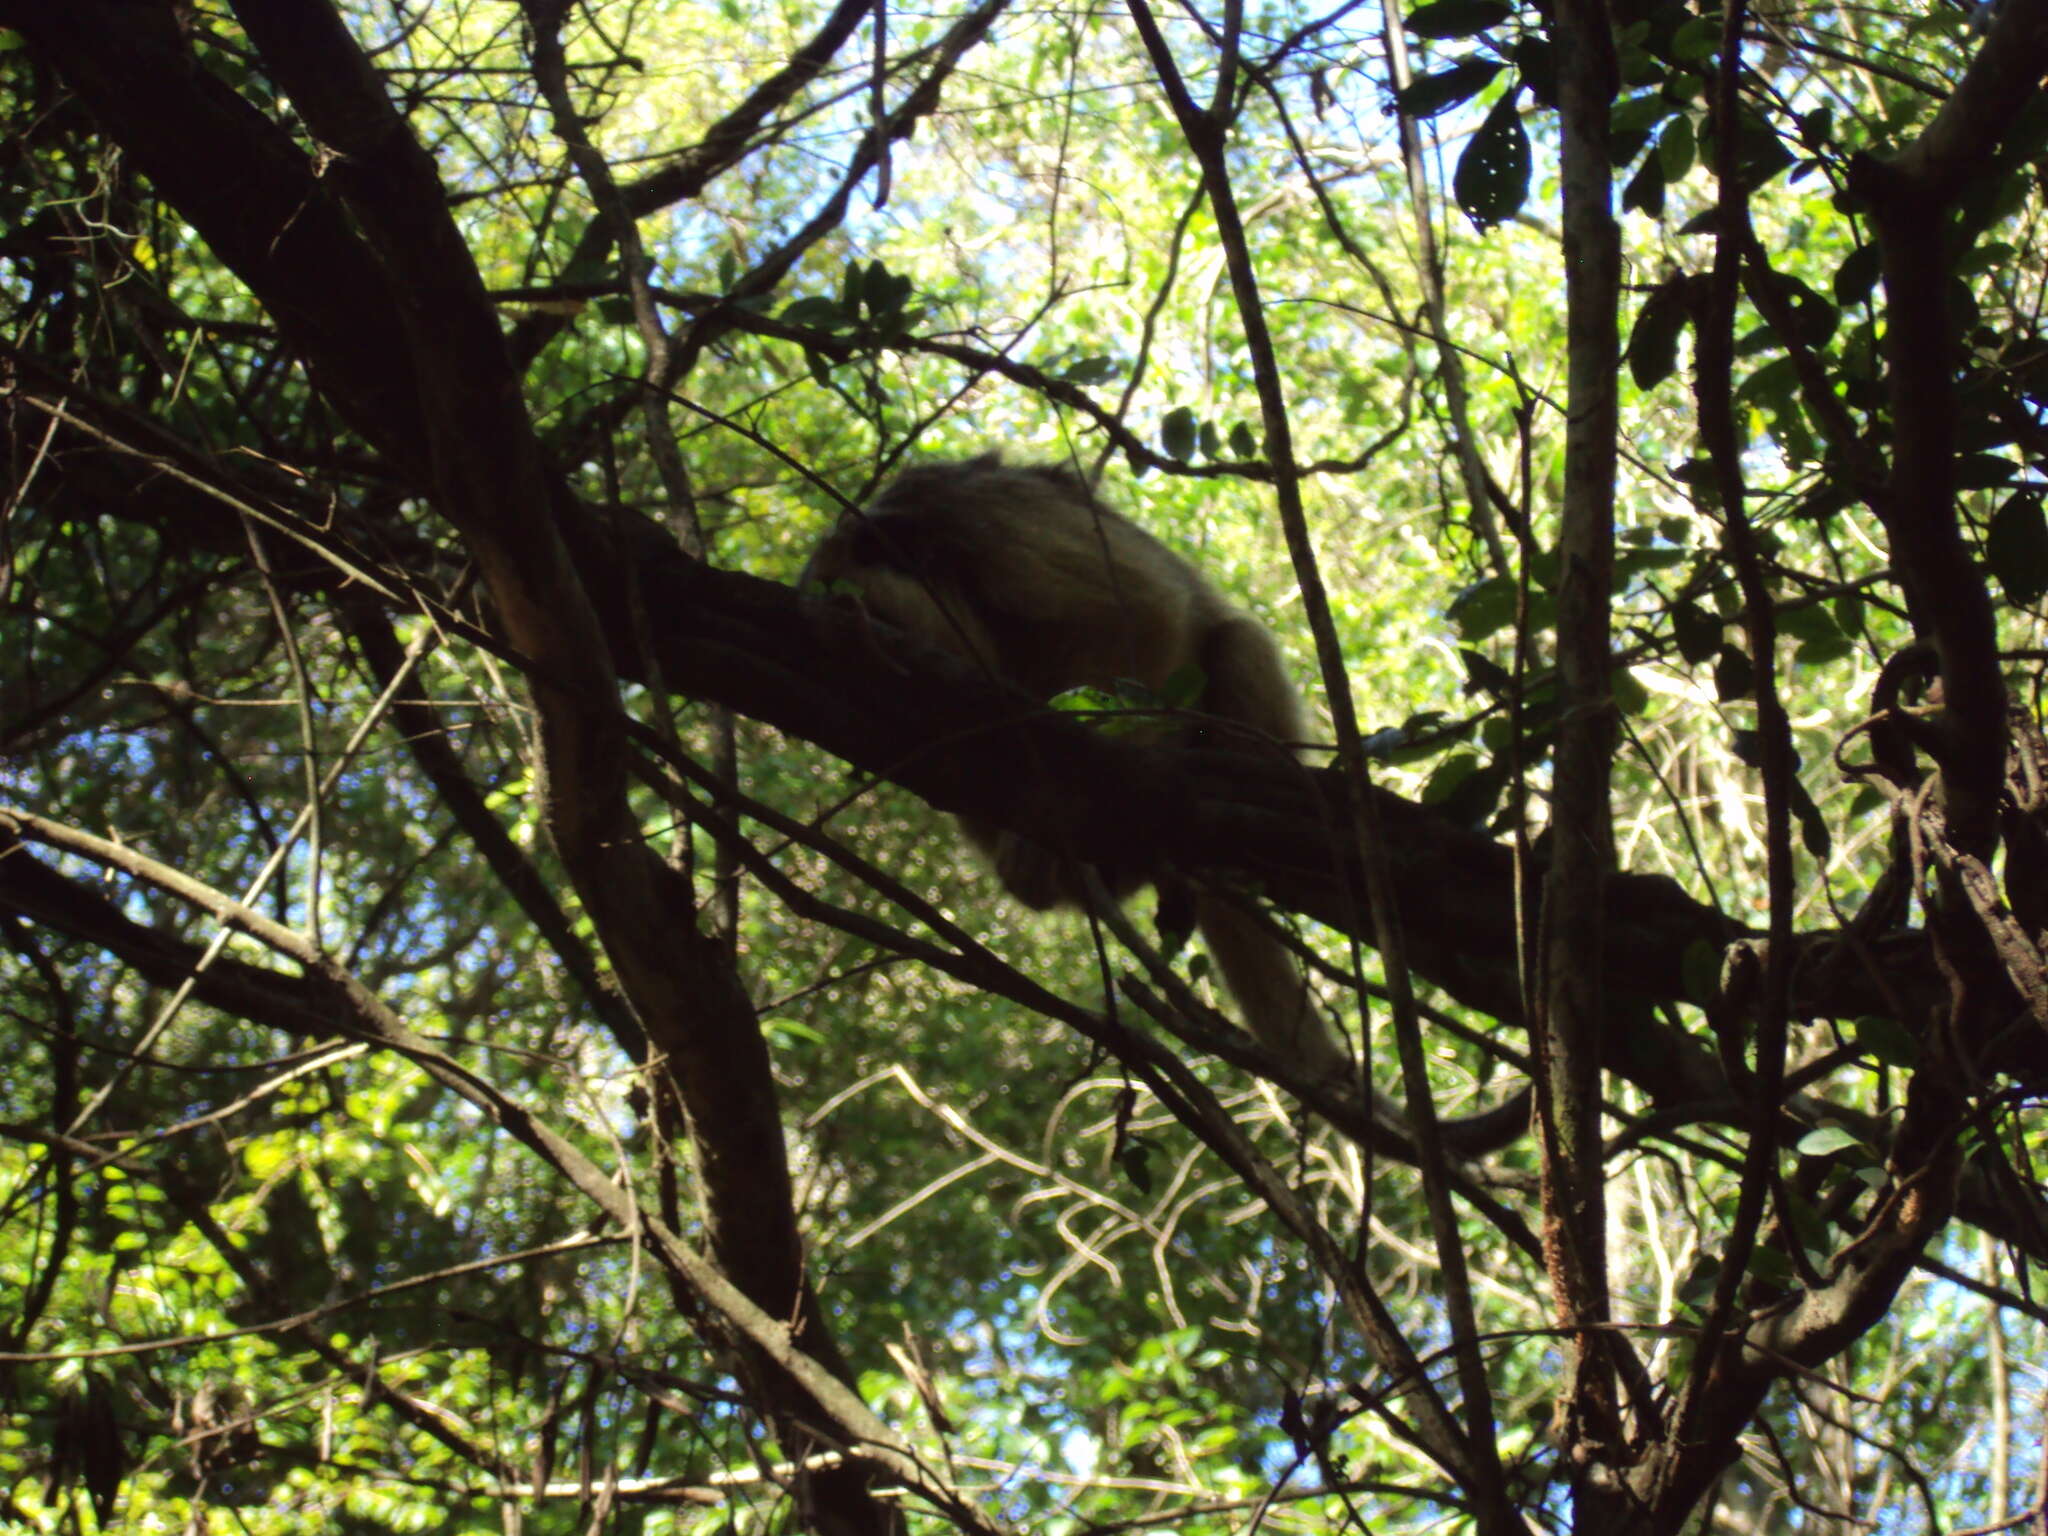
1886	1039
1813	827
1090	370
1443	19
1697	632
1770	1266
1631	563
1829	1138
1492	179
1734	677
1807	1223
1823	503
1676	148
816	311
1623	148
2016	547
1775	384
1984	472
1697	41
1639	67
1990	256
1696	1290
1483	609
1760	152
1450	773
587	268
1484	675
882	292
1813	318
1173	918
1177	433
1808	621
1475	797
1634	117
1537	62
1822	652
1087	700
1645	190
1447	87
784	1033
1700	970
1135	1160
1856	276
1763	153
1653	340
1630	696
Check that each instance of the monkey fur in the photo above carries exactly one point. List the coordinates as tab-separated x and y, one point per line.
1022	570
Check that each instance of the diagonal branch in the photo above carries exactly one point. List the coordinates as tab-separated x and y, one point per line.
365	1015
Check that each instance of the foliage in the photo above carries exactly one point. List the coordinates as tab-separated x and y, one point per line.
497	1033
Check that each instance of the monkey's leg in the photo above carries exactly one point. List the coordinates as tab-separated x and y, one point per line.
1271	992
1034	875
1038	876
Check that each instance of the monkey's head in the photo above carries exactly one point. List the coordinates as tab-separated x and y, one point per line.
1023	570
908	559
947	523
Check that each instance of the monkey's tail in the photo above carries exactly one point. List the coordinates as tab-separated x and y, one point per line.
1280	1012
1246	681
1270	991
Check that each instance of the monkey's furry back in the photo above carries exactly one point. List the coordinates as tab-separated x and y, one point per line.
1023	570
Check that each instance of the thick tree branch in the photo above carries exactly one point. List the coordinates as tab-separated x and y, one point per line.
433	389
1912	198
261	204
1581	1017
938	729
729	639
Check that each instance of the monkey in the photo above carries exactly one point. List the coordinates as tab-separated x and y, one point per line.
1022	570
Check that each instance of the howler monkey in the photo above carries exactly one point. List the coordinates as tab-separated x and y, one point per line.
1023	570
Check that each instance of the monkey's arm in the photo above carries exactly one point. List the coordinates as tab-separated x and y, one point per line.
1247	679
